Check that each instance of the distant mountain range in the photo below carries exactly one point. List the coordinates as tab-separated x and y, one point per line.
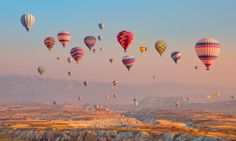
23	89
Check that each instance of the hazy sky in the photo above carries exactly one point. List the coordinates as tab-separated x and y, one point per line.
179	22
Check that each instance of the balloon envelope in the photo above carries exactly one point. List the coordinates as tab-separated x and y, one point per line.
111	60
49	42
27	21
64	37
69	60
160	46
101	25
115	83
41	70
176	55
128	61
207	50
77	53
100	38
85	83
125	38
143	49
90	41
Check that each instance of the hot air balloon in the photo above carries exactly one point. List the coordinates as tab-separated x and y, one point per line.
143	49
58	58
217	94
208	97
115	96
41	70
85	83
49	42
69	60
100	49
111	60
160	46
64	37
134	99
77	53
101	25
94	50
90	41
177	103
207	50
125	38
100	37
69	73
80	98
232	97
54	103
176	55
136	103
107	96
196	67
128	61
115	83
27	21
153	77
188	99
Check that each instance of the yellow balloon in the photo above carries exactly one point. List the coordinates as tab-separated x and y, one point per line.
143	49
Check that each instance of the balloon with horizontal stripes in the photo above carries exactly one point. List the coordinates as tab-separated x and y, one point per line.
77	53
160	46
125	38
207	50
128	61
49	42
27	21
90	41
176	55
64	37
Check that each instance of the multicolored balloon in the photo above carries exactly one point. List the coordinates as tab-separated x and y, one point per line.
207	50
27	21
41	70
77	53
143	49
49	42
64	37
125	38
160	46
176	55
128	61
90	41
101	25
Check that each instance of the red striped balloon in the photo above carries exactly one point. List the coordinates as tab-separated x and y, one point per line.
49	42
125	38
207	50
64	37
77	53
